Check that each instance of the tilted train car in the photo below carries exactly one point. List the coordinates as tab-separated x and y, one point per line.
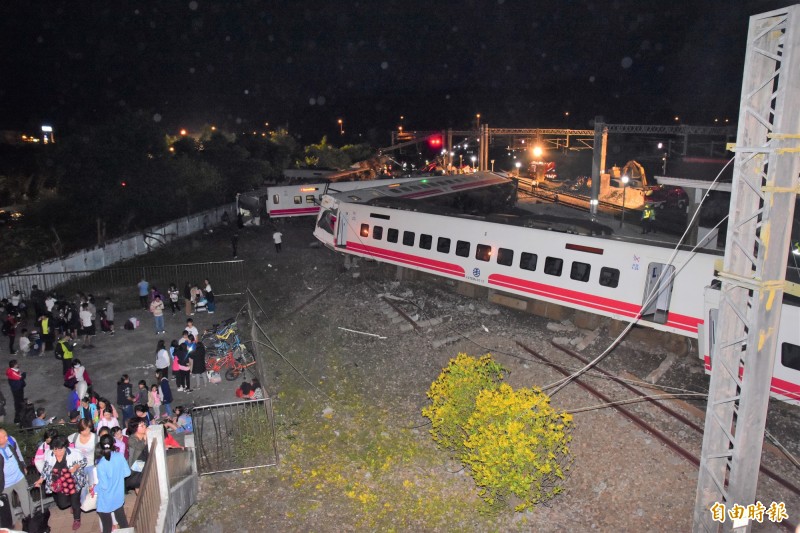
603	275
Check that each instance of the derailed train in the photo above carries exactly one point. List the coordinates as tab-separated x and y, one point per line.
603	275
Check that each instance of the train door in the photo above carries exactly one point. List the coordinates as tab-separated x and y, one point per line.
657	292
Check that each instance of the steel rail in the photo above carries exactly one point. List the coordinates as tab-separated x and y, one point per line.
674	446
769	473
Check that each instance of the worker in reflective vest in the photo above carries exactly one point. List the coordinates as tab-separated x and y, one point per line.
64	352
46	330
648	217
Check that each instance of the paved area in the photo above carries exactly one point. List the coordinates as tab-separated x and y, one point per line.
126	352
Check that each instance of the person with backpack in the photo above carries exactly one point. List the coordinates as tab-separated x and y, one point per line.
125	397
173	298
12	472
64	474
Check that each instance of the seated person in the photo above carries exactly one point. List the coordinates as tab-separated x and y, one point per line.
245	391
181	422
143	412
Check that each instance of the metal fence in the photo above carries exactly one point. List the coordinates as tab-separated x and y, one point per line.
226	277
234	436
148	502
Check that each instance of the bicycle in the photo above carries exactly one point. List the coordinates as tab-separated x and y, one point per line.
236	365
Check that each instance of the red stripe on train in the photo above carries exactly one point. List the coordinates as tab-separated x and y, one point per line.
294	212
682	322
406	259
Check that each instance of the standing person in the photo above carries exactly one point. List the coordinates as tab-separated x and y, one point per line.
64	351
141	393
209	294
235	244
107	420
187	298
84	441
162	358
173	298
45	327
87	325
24	343
16	382
144	290
190	328
648	217
154	402
37	299
112	469
138	453
183	362
87	411
125	397
81	378
110	315
198	356
64	474
157	308
277	238
12	472
10	330
165	391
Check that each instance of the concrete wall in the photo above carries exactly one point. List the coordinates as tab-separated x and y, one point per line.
132	245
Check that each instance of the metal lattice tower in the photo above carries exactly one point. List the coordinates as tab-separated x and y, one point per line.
765	183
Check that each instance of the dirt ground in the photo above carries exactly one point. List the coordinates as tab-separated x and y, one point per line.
355	453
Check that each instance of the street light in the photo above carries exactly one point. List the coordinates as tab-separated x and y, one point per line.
478	121
473	162
341	127
624	188
492	161
517	164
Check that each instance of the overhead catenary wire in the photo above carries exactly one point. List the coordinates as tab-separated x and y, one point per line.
560	384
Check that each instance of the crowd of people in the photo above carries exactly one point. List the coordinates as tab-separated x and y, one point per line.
94	466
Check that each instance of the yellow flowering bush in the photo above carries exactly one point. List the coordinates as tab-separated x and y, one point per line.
514	443
453	396
517	446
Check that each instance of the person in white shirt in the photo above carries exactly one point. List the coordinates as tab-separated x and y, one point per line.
24	343
277	237
87	326
190	328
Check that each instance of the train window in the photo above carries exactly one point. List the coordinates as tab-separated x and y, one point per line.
505	256
580	271
377	233
276	199
364	230
392	235
790	355
609	277
483	252
443	245
408	238
553	266
527	261
425	241
462	248
298	200
309	198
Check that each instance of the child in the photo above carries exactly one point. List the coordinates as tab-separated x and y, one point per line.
120	440
108	420
154	401
141	394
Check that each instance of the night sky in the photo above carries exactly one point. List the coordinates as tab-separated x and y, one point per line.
239	64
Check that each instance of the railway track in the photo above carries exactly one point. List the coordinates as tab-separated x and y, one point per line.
644	425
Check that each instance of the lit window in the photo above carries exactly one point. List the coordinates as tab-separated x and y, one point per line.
364	230
483	252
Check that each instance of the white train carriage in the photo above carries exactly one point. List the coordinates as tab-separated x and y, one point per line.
607	276
283	201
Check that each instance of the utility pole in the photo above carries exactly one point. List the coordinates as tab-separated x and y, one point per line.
763	195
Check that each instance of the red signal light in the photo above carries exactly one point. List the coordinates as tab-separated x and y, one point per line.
435	141
124	184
